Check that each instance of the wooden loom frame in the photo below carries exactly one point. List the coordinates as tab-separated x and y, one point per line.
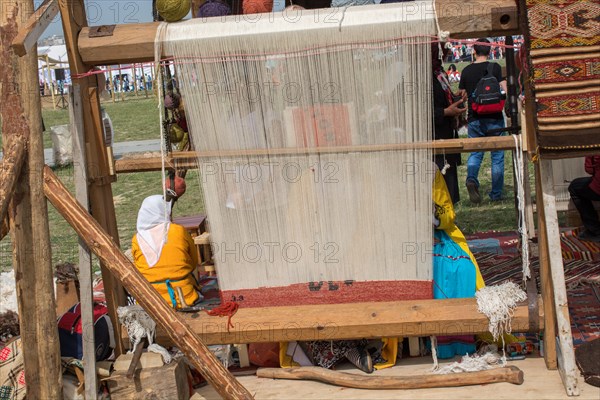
135	42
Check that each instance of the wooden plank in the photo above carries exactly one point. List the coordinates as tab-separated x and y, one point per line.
117	263
166	382
463	19
346	321
147	164
98	172
32	259
85	259
478	18
545	278
566	360
188	159
34	27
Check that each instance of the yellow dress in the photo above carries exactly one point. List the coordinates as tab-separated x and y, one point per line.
445	214
178	260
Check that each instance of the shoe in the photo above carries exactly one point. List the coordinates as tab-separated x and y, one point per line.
588	236
361	359
473	190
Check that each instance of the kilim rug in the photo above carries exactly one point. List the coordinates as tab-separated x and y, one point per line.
583	296
564	65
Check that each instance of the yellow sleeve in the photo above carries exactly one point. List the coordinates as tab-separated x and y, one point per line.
193	248
444	210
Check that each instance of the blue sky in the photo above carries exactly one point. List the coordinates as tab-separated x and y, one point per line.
107	12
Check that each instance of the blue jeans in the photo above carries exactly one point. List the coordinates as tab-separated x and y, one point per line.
479	128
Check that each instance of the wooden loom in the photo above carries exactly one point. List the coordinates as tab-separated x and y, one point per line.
92	46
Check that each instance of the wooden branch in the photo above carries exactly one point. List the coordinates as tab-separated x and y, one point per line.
116	262
509	374
463	19
10	170
34	27
4	228
348	321
189	159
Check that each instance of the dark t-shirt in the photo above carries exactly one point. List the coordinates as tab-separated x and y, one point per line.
470	77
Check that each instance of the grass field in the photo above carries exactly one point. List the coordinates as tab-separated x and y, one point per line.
137	119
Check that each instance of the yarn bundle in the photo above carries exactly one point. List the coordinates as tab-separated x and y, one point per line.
213	8
173	10
257	6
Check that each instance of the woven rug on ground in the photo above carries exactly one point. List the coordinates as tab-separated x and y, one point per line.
494	242
564	64
575	249
583	297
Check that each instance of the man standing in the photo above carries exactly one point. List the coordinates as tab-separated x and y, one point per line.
482	122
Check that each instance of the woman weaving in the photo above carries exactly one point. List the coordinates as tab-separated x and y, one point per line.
165	254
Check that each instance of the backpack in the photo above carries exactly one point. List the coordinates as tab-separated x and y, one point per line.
487	97
70	333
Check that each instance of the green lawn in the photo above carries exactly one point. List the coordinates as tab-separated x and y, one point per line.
137	119
133	119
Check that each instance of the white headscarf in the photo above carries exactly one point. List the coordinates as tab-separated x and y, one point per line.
152	227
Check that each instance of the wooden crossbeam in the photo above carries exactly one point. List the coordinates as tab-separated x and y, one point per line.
463	19
34	27
347	321
189	159
96	238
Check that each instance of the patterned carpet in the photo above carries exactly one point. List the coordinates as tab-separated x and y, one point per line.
581	264
564	62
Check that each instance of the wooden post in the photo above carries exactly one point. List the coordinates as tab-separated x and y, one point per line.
97	168
135	81
50	82
144	81
85	259
545	278
10	170
153	76
165	316
32	259
566	357
112	84
121	83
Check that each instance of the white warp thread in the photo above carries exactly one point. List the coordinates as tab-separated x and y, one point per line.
158	41
519	180
471	363
498	304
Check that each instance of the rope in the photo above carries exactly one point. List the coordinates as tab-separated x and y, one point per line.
519	179
436	364
225	310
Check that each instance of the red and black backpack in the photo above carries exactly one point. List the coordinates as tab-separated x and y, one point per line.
487	98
